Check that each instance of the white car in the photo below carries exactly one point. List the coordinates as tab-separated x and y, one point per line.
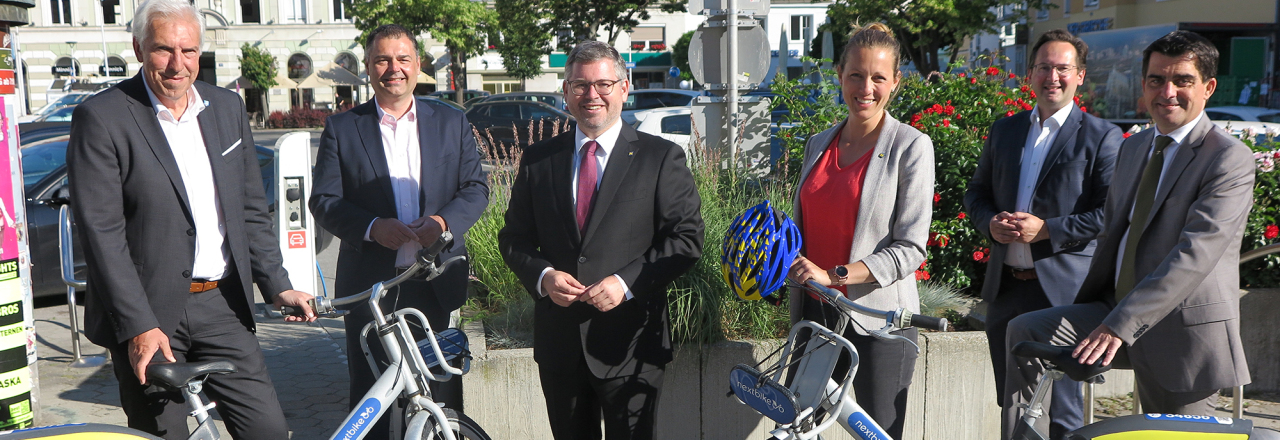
670	123
1261	130
648	99
1243	113
63	101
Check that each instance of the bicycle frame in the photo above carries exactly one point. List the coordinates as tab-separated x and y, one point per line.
408	374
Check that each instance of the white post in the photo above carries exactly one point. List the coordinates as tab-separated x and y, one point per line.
732	96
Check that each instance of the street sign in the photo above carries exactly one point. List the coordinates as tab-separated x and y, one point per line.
758	7
673	72
630	65
707	61
753	123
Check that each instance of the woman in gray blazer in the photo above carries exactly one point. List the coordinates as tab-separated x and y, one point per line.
863	207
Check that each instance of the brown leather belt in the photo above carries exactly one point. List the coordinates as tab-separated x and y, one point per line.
197	287
1021	274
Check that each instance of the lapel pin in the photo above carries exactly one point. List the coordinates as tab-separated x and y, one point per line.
631	153
206	103
882	155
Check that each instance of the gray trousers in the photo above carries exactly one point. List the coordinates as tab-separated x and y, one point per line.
1066	326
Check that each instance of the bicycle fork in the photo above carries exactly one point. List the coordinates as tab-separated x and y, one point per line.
1034	410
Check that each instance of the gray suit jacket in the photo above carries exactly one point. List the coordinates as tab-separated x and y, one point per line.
132	212
1181	322
1069	195
893	217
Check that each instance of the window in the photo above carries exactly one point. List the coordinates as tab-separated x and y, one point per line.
341	10
109	11
648	36
66	66
1066	8
293	11
348	61
249	12
800	26
1042	15
299	66
505	111
678	124
1090	5
536	112
60	11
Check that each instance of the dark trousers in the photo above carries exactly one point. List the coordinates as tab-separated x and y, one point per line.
407	294
576	401
884	367
1016	297
209	329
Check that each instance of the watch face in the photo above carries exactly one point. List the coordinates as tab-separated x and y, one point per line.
842	271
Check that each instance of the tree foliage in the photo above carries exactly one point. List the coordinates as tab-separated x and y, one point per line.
586	19
925	27
463	25
680	55
523	41
259	68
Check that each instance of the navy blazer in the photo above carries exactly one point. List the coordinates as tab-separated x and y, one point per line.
351	186
1069	196
132	211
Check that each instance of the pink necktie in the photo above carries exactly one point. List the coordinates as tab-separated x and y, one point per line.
587	177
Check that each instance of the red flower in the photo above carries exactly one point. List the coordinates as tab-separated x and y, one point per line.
916	118
922	275
937	108
923	263
1013	75
973	80
1084	109
933	239
1027	107
977	255
1033	93
946	122
1076	99
1009	101
985	138
943	240
950	110
993	71
1127	134
1025	89
960	216
1276	155
961	74
1009	113
937	197
1272	232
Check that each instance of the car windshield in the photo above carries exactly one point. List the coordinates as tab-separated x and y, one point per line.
41	159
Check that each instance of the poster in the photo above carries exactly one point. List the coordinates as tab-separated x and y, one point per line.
17	331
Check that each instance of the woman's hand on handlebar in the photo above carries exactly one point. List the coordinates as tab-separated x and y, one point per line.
298	300
803	270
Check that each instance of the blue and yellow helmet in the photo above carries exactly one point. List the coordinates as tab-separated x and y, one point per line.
758	250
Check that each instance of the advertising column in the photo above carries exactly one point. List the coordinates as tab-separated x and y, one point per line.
17	332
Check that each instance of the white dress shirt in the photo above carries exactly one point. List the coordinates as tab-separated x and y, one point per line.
1178	134
187	143
404	164
1039	139
607	141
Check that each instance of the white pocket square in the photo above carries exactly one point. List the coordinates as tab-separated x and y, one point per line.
232	147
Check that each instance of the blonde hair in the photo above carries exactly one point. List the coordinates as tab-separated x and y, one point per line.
872	36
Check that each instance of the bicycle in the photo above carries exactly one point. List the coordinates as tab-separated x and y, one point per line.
426	361
1058	363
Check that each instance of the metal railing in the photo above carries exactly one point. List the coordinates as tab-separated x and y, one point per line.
68	276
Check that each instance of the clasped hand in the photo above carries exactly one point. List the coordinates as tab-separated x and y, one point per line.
392	233
1021	227
564	290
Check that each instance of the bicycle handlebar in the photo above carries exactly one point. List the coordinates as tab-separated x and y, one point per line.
900	318
424	262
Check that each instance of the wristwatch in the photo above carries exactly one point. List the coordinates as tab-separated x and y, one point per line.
839	274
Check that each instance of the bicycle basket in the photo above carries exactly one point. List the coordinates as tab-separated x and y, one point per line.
767	397
757	251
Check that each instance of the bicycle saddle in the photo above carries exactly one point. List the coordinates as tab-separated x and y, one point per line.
1061	359
176	375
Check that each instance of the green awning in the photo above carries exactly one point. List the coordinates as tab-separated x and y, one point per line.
642	59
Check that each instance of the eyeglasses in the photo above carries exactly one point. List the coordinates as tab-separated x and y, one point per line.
603	87
1060	70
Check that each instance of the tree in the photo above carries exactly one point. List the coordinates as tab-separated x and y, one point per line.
259	68
680	55
585	19
462	25
926	27
522	41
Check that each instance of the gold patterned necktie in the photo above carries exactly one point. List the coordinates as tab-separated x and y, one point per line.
1141	210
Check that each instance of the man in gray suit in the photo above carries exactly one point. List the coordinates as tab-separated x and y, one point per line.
1162	293
174	224
1038	193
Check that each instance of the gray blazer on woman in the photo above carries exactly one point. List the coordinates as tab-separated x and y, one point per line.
893	217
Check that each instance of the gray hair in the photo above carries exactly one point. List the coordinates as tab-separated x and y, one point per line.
591	51
152	10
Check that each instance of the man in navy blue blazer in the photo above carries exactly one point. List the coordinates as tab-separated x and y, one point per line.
392	174
1038	194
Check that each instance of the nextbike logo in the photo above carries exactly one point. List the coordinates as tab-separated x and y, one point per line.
361	420
755	392
766	399
1189	418
865	428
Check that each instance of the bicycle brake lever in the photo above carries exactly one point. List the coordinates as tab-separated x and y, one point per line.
884	334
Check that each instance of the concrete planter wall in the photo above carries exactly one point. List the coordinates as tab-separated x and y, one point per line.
504	395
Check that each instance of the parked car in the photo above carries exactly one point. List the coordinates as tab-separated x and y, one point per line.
65	100
444	102
508	122
44	179
1260	129
1242	113
448	95
781	113
670	123
647	99
549	98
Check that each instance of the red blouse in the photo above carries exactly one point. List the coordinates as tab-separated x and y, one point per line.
829	202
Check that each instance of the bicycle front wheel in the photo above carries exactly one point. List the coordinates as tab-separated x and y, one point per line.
463	427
